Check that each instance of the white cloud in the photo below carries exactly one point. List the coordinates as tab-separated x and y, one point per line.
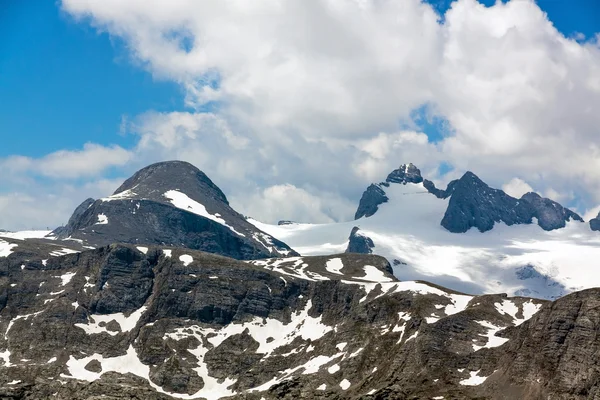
295	204
591	213
314	94
48	204
92	160
517	188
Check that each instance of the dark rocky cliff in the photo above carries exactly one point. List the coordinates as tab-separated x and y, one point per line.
124	322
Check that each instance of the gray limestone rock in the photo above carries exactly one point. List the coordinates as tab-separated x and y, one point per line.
550	214
359	243
175	204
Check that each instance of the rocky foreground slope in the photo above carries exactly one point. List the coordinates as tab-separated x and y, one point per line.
156	323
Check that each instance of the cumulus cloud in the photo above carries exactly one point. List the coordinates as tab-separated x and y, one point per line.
296	204
92	160
318	95
517	188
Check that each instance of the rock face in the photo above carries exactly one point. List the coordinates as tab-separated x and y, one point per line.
370	201
156	323
550	214
475	204
170	203
595	223
375	194
553	355
472	203
359	243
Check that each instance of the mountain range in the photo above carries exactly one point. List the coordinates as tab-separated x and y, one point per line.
162	290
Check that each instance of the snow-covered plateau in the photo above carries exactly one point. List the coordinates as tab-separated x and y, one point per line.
519	259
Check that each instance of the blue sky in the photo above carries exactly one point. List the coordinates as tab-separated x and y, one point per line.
62	84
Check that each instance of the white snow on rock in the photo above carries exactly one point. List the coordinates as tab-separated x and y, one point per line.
335	266
529	308
126	323
124	195
62	252
22	235
521	260
270	333
373	274
186	259
102	220
182	201
66	278
6	248
5	357
322	387
333	369
142	249
167	252
125	364
312	366
474	379
345	384
492	339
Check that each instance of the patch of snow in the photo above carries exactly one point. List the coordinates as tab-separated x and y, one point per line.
126	323
6	248
5	356
124	195
182	201
333	369
186	259
22	235
492	339
62	252
529	308
66	278
473	380
142	249
13	382
373	274
335	266
167	252
322	387
341	346
345	384
102	220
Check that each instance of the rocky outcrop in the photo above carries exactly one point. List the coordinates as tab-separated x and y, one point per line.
171	203
474	204
553	355
550	215
359	243
64	231
407	173
370	201
595	223
127	322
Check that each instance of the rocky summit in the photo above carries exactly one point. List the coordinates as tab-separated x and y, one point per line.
472	203
170	203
